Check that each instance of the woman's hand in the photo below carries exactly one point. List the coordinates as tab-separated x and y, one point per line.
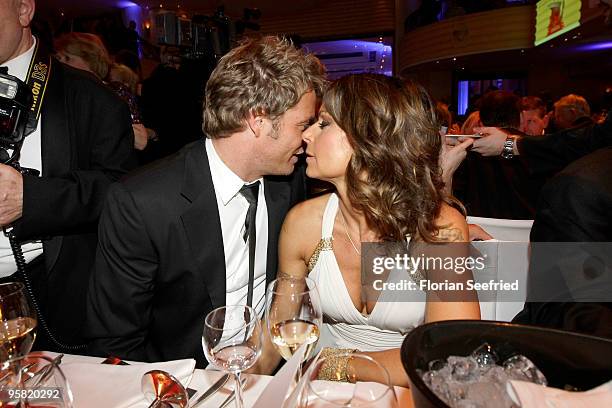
141	136
450	159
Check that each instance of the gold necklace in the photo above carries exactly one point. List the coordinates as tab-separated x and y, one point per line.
347	233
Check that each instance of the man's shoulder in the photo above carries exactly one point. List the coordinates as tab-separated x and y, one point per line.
165	174
81	82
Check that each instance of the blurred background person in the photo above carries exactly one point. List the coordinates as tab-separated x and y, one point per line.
83	51
472	121
534	117
496	187
87	52
574	208
572	111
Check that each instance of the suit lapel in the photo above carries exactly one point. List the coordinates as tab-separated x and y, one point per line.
56	146
55	143
277	202
202	224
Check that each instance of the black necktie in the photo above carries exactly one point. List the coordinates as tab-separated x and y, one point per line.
250	192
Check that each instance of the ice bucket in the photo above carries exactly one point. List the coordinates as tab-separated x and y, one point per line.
565	358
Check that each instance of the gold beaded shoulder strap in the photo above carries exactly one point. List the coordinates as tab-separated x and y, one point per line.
325	244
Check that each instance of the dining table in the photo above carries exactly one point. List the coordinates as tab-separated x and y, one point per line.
90	382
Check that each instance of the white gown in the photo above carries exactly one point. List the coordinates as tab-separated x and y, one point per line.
344	326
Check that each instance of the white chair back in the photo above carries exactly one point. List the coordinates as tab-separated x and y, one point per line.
504	230
512	261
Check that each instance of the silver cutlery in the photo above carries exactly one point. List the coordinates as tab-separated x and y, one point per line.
43	374
214	388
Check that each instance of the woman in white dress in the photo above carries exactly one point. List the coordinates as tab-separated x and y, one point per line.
377	142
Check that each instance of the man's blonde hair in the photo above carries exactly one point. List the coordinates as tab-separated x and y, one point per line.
574	102
263	76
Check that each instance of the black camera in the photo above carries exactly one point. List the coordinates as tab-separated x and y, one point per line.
15	104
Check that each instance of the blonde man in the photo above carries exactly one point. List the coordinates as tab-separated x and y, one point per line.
199	229
570	111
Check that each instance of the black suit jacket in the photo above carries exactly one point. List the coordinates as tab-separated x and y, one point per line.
575	207
546	155
87	143
160	265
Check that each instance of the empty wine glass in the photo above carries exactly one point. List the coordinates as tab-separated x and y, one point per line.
331	394
34	380
232	341
17	322
293	315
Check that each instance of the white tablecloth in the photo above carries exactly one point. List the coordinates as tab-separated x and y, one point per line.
200	381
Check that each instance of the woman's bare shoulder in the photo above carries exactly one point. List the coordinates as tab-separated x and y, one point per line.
301	230
307	213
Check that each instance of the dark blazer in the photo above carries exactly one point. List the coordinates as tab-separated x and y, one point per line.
548	154
160	265
575	207
496	188
87	143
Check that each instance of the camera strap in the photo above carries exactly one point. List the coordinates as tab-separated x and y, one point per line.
37	79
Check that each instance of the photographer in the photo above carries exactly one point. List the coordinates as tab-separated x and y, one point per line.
81	143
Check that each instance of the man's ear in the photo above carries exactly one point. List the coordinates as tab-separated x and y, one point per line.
545	120
256	122
26	11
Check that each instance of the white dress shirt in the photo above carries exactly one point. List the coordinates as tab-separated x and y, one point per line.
233	209
31	158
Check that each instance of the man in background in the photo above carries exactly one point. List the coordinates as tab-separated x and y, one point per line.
534	118
82	142
572	111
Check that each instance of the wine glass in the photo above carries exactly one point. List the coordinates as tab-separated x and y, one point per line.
232	341
293	315
331	394
39	382
17	322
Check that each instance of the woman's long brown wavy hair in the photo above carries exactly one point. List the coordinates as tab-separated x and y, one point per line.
393	177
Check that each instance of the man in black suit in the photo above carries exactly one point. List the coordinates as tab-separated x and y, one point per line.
176	238
497	187
82	142
571	280
548	154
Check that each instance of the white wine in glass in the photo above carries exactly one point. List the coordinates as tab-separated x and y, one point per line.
288	335
17	322
293	314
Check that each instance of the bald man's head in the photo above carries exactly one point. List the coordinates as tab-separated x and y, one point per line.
15	18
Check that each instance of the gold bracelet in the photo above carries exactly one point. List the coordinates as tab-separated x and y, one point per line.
335	366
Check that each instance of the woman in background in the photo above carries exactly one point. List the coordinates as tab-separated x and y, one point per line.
87	52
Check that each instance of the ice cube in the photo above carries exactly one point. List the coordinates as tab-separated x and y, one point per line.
463	368
521	368
485	355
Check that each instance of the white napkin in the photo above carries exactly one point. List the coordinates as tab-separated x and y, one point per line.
274	394
105	386
529	395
